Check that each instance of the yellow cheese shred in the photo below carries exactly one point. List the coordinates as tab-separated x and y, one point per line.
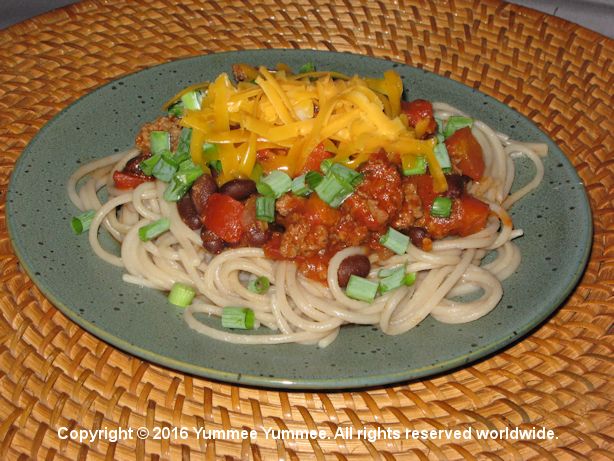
291	114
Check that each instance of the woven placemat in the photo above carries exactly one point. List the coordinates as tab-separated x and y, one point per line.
53	374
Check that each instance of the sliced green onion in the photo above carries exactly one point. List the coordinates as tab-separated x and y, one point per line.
154	229
313	178
259	285
159	141
238	317
442	156
216	165
390	271
210	151
189	172
326	165
191	100
410	278
175	190
82	222
440	138
176	109
441	207
413	165
183	146
455	123
256	172
439	122
166	167
346	174
147	166
307	67
181	182
275	184
333	191
392	281
360	288
181	294
300	187
395	241
265	209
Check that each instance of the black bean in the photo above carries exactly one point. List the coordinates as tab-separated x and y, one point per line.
456	185
133	166
353	265
201	190
257	235
211	242
188	213
239	189
416	235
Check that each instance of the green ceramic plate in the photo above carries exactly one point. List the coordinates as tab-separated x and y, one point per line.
556	219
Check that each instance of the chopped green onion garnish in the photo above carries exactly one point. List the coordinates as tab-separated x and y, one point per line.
183	146
346	174
333	191
387	272
189	172
439	122
413	165
455	123
326	165
307	67
300	187
216	165
191	100
441	154
360	288
154	229
159	141
82	222
441	207
275	184
148	165
313	178
210	151
265	209
395	241
181	294
410	278
259	285
238	317
256	172
166	167
182	180
176	109
392	281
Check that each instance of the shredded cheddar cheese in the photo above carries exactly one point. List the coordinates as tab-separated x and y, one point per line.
292	114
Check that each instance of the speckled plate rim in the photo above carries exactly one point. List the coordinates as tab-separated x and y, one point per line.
566	287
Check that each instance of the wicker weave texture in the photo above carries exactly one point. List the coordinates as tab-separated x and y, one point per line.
53	374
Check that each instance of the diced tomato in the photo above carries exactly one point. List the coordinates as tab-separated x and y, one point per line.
468	214
272	249
222	216
419	114
316	211
424	187
128	180
473	215
315	159
466	153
